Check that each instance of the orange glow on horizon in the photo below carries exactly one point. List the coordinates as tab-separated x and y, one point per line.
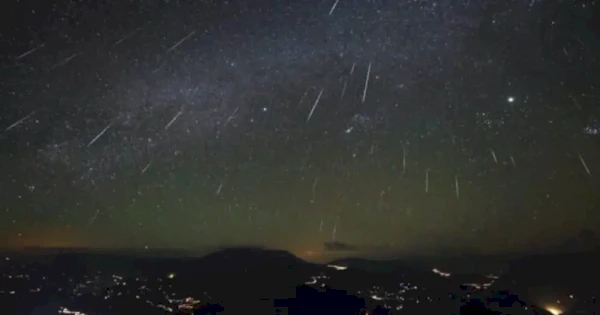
47	238
307	254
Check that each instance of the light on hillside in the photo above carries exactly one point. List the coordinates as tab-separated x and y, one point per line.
554	310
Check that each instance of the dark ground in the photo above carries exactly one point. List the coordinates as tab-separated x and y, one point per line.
241	280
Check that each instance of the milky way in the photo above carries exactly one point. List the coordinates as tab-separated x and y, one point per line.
215	119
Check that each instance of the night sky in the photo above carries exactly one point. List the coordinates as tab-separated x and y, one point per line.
384	126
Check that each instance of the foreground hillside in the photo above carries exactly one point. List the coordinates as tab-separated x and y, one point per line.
239	280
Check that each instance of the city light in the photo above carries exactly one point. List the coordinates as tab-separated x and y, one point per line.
554	310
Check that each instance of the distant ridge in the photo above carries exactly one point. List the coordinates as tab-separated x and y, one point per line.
251	257
258	272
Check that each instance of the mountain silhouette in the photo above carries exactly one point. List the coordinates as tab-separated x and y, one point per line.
248	258
250	280
246	275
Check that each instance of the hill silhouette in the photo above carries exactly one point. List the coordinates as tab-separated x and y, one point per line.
251	258
258	280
